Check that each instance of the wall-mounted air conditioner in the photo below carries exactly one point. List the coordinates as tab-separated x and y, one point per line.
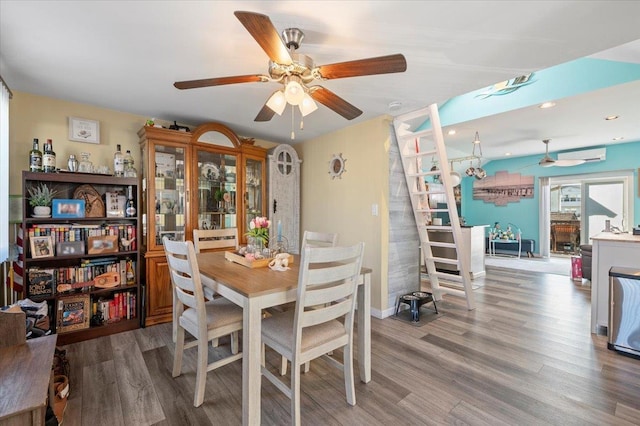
588	155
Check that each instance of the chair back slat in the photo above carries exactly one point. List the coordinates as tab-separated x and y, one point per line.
181	257
328	277
208	239
318	239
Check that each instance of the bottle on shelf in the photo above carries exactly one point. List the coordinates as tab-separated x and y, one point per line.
35	157
130	206
129	170
118	162
49	158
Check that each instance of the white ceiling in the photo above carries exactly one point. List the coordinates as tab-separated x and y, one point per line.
127	55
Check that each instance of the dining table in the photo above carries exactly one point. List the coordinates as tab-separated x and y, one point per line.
255	289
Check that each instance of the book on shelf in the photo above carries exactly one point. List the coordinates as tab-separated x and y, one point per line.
41	282
73	313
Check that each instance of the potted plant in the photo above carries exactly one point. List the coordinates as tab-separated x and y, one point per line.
40	198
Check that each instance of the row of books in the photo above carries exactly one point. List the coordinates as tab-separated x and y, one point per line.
81	232
121	306
45	282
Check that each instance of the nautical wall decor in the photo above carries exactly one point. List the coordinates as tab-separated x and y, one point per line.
503	188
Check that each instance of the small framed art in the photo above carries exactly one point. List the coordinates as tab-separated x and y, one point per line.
83	130
41	247
103	244
70	248
67	208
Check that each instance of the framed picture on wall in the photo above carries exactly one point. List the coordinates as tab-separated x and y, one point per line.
84	130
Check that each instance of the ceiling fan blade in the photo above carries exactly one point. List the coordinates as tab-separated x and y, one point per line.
262	30
569	163
206	82
380	65
329	99
265	114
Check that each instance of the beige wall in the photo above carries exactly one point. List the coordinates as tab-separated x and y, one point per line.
32	116
344	205
331	205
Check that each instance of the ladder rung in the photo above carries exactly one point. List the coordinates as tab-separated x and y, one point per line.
440	227
413	154
450	277
439	244
418	134
444	260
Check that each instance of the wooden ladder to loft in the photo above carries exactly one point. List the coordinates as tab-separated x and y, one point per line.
416	144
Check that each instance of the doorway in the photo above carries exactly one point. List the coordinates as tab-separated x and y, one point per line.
580	206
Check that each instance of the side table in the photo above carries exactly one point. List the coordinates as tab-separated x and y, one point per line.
26	377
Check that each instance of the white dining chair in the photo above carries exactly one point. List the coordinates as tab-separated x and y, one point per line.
204	320
206	239
310	239
322	320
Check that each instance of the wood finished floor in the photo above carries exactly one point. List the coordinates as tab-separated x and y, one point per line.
524	356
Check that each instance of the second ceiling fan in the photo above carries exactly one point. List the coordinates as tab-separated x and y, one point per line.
296	71
547	161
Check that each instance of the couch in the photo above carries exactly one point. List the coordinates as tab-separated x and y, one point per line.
586	250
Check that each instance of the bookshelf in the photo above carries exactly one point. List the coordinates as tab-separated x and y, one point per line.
84	260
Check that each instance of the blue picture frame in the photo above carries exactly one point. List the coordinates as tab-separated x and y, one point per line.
63	208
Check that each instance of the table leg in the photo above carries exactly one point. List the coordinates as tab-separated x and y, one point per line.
364	329
251	357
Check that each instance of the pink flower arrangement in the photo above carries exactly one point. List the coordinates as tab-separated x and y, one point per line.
259	228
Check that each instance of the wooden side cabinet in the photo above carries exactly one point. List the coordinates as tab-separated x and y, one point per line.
205	179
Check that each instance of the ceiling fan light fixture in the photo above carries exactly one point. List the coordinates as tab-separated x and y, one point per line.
277	102
293	91
308	105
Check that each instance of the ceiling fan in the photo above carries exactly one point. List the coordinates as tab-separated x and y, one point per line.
547	161
296	71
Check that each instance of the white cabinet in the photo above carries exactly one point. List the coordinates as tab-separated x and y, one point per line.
473	241
284	196
609	249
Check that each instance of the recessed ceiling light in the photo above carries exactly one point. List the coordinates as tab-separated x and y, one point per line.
451	132
395	105
547	105
619	138
611	117
507	154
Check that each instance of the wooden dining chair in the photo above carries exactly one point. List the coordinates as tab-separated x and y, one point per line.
322	320
310	239
207	239
318	239
204	320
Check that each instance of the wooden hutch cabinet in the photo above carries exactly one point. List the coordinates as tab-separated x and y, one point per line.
205	179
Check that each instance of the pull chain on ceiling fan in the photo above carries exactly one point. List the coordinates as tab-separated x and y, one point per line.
296	71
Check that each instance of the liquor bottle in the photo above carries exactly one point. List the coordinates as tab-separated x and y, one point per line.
35	157
129	170
49	158
130	206
118	162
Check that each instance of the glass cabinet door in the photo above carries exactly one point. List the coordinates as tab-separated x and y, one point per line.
169	193
216	197
254	189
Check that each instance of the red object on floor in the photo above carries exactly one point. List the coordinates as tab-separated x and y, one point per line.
576	268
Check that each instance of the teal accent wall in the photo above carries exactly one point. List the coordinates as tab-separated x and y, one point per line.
524	214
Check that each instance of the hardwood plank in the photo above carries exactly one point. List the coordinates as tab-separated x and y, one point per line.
138	398
101	395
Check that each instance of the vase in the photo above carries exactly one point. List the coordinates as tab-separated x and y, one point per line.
42	211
